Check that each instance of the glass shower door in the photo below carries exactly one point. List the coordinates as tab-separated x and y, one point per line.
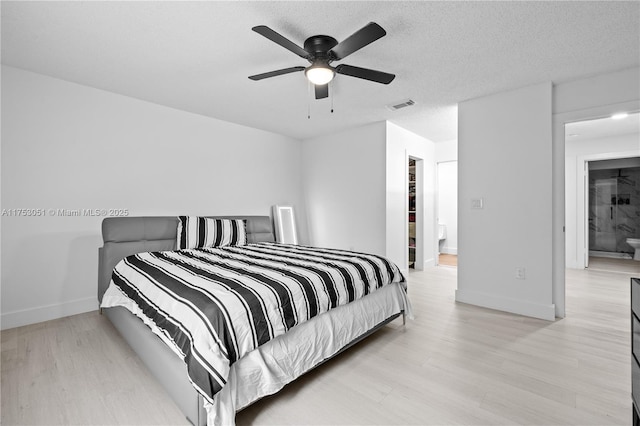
603	222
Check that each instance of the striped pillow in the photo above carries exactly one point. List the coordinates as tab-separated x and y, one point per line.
197	232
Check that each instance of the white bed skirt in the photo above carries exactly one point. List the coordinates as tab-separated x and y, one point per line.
267	369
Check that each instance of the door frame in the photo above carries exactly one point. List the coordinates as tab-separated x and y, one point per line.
437	209
559	251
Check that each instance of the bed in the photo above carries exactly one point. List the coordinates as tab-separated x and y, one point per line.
294	347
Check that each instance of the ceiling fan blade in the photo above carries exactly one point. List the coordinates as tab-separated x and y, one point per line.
365	73
281	40
356	41
275	73
322	91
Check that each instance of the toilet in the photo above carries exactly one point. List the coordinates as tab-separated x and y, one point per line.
635	243
442	235
442	232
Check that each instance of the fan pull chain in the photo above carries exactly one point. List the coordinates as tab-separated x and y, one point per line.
331	95
308	100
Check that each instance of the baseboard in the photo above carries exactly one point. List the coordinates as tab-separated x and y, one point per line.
429	262
449	250
515	306
47	313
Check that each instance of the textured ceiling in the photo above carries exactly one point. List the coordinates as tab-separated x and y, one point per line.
196	56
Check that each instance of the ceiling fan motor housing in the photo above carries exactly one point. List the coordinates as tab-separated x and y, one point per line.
318	47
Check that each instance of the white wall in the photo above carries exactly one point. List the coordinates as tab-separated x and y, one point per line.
402	144
446	151
577	152
67	146
584	99
344	185
504	157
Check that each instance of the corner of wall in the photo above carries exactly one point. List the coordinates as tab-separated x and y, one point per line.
507	304
47	313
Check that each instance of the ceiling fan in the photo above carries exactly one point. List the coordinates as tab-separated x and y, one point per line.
321	51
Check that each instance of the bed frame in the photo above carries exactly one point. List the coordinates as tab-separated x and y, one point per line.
124	236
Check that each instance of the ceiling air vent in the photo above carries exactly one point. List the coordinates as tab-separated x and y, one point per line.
401	104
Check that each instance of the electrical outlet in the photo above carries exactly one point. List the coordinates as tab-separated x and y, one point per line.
520	273
477	203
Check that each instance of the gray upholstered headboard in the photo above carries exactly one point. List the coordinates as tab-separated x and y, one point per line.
124	236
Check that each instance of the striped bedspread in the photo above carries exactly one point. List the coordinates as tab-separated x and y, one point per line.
213	305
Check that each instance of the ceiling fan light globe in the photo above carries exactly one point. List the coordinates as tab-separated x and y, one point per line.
319	75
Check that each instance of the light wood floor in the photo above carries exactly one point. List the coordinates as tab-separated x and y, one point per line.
454	364
627	266
447	259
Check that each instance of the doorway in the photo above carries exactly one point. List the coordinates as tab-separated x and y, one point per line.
447	213
598	159
613	213
412	213
415	213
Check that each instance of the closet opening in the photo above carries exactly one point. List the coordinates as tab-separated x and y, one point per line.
415	213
